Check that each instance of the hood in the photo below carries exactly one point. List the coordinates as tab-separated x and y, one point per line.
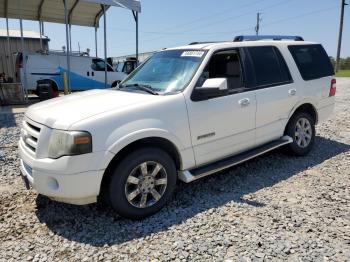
62	112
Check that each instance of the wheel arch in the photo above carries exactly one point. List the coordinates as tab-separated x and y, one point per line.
304	107
154	141
50	80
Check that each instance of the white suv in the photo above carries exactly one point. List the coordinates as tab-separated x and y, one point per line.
185	113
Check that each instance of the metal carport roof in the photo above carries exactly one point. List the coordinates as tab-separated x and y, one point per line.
81	12
68	12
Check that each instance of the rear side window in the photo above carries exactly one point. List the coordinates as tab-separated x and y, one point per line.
268	67
312	61
99	65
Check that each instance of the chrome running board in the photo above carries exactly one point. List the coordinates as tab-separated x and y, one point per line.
188	176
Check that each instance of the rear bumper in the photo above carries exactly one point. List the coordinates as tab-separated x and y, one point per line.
80	187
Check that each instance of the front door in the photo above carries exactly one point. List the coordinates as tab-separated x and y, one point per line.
224	125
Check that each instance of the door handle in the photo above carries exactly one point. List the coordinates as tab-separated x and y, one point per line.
244	102
292	92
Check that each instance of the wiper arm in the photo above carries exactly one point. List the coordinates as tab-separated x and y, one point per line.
146	88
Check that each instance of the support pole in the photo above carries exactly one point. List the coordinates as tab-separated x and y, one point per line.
10	63
96	41
41	39
24	82
137	38
67	44
343	4
70	37
105	41
258	20
136	17
43	33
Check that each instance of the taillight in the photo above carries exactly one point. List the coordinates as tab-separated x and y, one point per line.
333	88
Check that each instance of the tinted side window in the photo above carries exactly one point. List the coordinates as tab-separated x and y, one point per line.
312	61
99	65
128	67
268	66
224	64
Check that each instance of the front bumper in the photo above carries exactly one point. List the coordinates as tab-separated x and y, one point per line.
64	179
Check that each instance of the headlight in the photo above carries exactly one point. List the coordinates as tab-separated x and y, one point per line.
68	143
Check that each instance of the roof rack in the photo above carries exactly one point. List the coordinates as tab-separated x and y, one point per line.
242	38
208	42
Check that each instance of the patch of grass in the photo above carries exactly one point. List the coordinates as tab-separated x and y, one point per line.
343	73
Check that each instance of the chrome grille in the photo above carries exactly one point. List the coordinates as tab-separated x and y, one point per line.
30	135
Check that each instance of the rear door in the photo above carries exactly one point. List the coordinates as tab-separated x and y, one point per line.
80	77
42	66
276	93
316	72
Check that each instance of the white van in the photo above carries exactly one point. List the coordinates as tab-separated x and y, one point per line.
86	72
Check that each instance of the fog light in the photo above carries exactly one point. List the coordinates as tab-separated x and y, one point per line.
52	183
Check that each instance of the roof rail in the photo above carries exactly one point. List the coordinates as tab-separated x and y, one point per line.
208	42
242	38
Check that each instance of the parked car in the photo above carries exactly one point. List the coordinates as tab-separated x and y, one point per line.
185	113
45	72
126	66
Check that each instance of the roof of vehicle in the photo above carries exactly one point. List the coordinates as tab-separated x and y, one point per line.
208	46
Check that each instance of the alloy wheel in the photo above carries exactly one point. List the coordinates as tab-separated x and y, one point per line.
303	132
146	184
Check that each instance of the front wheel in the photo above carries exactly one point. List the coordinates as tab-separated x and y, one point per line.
142	183
115	83
301	128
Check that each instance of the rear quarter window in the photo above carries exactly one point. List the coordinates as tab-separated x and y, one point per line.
312	61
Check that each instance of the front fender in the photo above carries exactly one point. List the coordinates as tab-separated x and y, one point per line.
186	154
145	133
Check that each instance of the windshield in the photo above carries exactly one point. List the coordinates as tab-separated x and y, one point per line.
167	71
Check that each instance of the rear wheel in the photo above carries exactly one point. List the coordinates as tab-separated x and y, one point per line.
301	128
142	183
47	89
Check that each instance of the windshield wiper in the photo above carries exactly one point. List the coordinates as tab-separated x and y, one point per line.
146	88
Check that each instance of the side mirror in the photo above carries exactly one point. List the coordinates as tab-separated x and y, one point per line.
211	88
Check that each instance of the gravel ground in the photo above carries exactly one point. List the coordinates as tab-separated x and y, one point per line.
274	207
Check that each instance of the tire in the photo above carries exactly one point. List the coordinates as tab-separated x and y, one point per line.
133	178
301	127
115	83
46	89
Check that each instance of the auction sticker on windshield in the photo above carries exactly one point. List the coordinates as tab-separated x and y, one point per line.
193	53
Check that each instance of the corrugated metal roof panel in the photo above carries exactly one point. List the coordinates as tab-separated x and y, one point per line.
26	34
83	12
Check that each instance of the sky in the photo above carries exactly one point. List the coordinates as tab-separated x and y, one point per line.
165	23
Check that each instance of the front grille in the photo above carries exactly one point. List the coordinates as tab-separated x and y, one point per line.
30	135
